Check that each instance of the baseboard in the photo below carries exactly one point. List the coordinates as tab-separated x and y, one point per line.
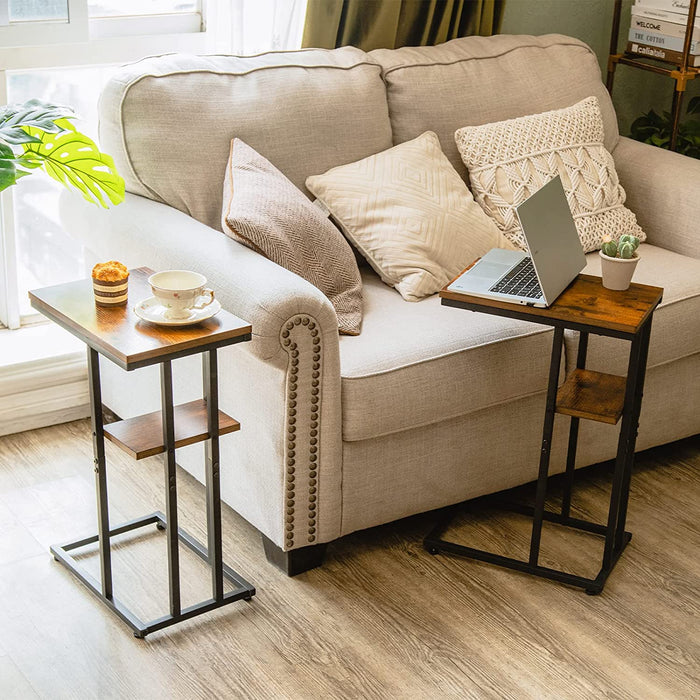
43	392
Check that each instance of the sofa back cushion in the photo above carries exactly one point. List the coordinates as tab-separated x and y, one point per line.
168	120
478	80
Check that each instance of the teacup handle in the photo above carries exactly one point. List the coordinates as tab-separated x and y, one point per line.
205	292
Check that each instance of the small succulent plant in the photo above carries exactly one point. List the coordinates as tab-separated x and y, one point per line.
625	247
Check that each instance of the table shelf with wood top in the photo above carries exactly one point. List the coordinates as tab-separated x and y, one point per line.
119	335
587	307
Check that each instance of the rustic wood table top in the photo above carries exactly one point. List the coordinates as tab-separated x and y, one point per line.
119	334
585	305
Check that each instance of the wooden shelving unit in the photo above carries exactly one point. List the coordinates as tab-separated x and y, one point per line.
680	73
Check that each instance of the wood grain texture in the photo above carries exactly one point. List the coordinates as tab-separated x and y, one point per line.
584	302
381	619
142	436
118	333
592	395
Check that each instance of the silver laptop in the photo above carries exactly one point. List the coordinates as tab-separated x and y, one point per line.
554	256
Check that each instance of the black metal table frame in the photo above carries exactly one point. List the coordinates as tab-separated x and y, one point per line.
616	537
212	553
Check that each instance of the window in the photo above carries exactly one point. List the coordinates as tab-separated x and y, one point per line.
63	51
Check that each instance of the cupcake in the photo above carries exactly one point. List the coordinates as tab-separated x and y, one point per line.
110	280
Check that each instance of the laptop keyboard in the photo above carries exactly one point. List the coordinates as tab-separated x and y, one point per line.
521	281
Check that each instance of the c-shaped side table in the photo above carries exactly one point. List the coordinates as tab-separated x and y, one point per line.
119	335
585	306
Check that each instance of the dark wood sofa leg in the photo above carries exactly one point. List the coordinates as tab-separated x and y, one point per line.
295	561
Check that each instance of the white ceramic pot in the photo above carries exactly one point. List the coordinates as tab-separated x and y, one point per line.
617	272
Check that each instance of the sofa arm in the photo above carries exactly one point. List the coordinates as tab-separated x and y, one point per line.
140	232
288	379
663	190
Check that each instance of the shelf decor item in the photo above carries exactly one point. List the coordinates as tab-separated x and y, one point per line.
38	134
673	43
618	261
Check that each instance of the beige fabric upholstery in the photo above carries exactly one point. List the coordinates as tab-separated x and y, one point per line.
266	212
662	190
510	160
258	380
423	363
403	473
477	80
168	120
307	120
675	331
409	214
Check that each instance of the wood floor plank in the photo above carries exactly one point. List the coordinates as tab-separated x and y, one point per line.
381	619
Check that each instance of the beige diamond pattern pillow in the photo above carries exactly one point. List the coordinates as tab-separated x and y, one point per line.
510	160
268	213
410	214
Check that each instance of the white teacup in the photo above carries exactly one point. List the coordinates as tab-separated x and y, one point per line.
180	291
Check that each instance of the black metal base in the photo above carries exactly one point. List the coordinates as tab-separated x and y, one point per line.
296	561
434	544
242	589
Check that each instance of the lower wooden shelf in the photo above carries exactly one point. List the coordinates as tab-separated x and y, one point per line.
592	395
142	436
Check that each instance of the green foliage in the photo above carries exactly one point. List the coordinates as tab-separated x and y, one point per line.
656	130
38	135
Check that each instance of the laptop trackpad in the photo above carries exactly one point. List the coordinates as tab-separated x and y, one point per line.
493	271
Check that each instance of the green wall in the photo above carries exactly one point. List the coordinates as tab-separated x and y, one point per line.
635	91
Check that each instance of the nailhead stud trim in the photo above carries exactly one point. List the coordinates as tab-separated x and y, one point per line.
301	442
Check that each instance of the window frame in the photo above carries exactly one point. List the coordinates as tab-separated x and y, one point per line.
87	42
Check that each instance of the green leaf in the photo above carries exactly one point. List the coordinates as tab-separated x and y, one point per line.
694	105
75	161
33	113
8	169
658	140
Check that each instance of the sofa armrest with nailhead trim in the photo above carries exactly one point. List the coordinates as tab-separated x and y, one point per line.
284	386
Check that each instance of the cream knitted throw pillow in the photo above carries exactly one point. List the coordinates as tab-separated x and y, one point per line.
410	214
509	160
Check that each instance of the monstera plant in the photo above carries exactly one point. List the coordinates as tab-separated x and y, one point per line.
37	135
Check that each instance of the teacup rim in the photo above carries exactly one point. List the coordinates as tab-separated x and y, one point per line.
179	289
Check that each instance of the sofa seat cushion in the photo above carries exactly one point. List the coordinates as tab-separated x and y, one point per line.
420	363
675	331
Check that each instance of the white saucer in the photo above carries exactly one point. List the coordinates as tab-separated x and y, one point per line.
153	311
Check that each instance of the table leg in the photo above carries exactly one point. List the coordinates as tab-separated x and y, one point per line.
573	435
541	493
166	386
626	445
98	447
213	486
636	410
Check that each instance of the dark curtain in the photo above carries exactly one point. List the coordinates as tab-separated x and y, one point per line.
389	24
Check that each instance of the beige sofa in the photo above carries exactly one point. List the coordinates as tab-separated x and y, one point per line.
430	405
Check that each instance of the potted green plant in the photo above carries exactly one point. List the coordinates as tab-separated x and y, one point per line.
656	129
618	261
38	135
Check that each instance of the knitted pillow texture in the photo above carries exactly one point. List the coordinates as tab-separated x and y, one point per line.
510	160
264	211
410	214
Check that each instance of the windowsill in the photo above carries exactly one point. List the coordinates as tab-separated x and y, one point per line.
43	378
32	344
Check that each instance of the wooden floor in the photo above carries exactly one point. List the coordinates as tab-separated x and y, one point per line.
381	619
